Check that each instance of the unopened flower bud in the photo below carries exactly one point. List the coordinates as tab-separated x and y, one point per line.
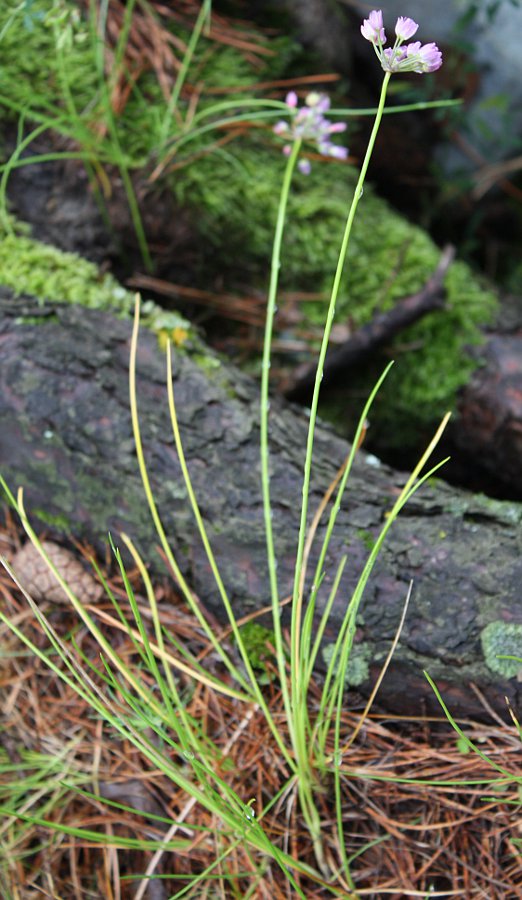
373	28
405	28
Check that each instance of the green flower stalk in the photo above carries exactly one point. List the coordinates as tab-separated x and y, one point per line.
309	123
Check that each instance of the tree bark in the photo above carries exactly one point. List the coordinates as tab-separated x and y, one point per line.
66	437
488	427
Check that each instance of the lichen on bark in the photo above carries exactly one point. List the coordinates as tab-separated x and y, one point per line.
501	639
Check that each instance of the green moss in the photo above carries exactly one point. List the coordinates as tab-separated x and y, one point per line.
366	537
426	380
42	271
502	639
357	670
207	363
258	640
255	638
32	267
59	521
60	79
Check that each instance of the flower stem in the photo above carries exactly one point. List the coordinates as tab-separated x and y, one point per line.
265	405
297	603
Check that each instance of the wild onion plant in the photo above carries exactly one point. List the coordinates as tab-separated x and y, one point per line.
145	704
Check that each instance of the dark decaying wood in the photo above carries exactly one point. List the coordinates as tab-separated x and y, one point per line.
66	436
488	429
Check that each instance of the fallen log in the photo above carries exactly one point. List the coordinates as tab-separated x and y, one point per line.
66	436
484	435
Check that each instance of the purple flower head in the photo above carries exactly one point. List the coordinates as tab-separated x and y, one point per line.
373	28
405	28
307	123
413	57
427	58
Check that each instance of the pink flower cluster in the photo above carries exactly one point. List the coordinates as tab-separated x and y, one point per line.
414	57
308	123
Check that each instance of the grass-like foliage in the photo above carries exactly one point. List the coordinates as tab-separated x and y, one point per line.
144	698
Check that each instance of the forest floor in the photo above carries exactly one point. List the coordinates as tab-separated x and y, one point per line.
419	837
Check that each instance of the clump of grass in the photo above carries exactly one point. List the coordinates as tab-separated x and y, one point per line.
59	760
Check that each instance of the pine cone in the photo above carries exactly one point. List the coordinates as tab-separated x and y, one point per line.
39	581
